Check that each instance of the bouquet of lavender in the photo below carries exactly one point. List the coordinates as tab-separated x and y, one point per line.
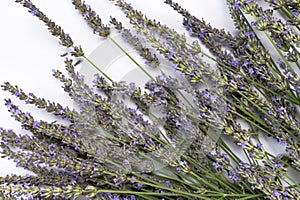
192	133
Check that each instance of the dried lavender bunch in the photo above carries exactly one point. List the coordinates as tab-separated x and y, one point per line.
164	145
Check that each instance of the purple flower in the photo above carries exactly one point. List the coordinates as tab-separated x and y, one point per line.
236	5
248	34
116	197
289	74
163	96
286	193
250	70
139	186
228	108
179	104
235	177
202	34
216	165
168	184
282	142
225	155
171	55
244	145
132	197
190	22
235	62
270	112
259	146
158	102
157	89
76	147
206	95
17	94
213	153
276	193
280	165
73	182
34	12
278	44
5	138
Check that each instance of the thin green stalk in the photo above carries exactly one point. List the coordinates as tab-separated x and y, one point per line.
252	196
97	68
131	58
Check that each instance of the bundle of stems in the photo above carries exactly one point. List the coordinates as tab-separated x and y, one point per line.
173	137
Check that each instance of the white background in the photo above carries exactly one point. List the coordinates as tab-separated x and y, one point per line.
28	52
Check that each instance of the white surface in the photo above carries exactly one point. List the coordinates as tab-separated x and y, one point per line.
28	52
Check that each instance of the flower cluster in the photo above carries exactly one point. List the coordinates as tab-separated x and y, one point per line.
175	136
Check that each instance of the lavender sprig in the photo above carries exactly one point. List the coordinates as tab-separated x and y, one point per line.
99	153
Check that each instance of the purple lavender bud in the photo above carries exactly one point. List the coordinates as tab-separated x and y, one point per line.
297	90
163	96
216	165
225	155
158	102
279	165
139	186
236	5
250	70
289	74
202	34
213	153
248	34
157	89
168	184
259	146
270	112
235	177
228	108
17	94
282	142
286	193
235	62
73	182
27	114
132	197
206	96
179	104
190	22
276	193
116	198
5	139
244	145
278	44
171	55
34	12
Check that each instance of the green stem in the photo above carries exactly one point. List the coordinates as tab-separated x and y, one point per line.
131	58
97	68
